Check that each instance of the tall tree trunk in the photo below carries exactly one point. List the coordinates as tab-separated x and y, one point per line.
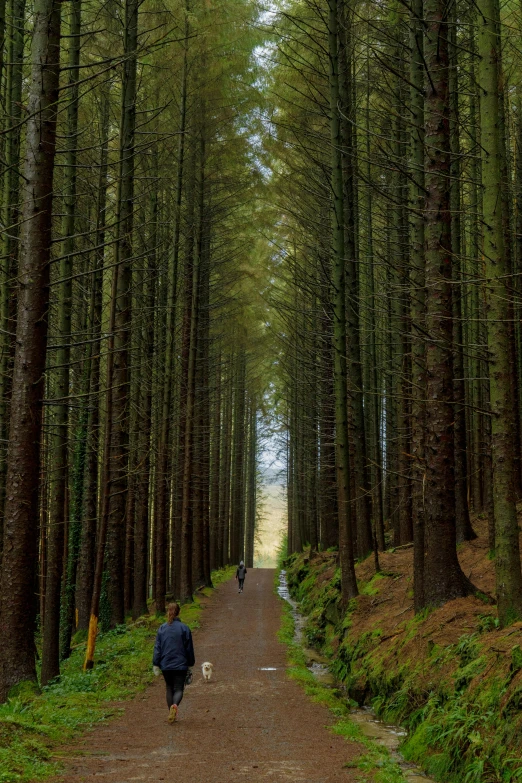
329	525
216	538
374	396
237	515
105	482
417	299
200	478
20	559
507	551
252	487
465	531
119	456
10	216
86	564
206	475
161	503
443	577
349	583
141	529
224	492
189	347
474	273
361	502
59	481
403	531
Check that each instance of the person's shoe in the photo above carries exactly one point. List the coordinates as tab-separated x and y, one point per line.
173	713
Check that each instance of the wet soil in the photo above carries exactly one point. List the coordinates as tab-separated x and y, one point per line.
249	723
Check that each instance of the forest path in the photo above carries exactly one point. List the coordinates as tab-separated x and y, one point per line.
250	723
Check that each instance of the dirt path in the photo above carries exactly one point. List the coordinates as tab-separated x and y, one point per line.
250	724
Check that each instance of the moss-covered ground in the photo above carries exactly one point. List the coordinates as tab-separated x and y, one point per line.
451	676
33	722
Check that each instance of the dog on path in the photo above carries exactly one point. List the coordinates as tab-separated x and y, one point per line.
206	670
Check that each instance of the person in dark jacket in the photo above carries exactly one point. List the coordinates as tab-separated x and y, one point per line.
240	576
173	657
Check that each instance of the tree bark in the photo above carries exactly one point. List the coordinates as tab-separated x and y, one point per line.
443	577
119	456
348	583
507	551
417	299
86	564
465	531
10	217
161	504
60	418
18	604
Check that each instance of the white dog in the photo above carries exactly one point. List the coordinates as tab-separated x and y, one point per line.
206	670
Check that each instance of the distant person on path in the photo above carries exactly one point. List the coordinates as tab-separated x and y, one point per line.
173	657
240	576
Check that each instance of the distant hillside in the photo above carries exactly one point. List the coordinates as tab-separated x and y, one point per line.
272	526
273	475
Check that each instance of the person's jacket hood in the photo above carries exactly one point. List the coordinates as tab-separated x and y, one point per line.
173	650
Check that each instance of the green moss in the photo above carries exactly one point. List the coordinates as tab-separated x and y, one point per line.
487	622
24	692
465	674
79	637
516	660
372	587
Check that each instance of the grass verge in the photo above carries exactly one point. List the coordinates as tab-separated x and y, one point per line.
33	723
374	760
450	675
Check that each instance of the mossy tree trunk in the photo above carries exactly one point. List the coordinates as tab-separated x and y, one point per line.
507	552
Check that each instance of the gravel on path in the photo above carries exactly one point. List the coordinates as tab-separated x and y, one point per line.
250	723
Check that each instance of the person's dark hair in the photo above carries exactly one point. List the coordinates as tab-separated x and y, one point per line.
172	612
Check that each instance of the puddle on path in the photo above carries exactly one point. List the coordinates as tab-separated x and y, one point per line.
386	734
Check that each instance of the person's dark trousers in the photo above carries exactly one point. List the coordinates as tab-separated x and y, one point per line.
241	583
175	682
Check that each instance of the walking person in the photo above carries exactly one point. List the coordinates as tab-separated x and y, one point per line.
173	657
240	576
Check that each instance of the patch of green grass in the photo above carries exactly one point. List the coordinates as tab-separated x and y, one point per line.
223	575
33	721
376	759
461	702
282	553
488	622
372	587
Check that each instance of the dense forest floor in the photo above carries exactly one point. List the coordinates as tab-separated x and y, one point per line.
451	675
251	722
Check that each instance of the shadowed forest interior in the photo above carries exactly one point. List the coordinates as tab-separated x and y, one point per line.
248	250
